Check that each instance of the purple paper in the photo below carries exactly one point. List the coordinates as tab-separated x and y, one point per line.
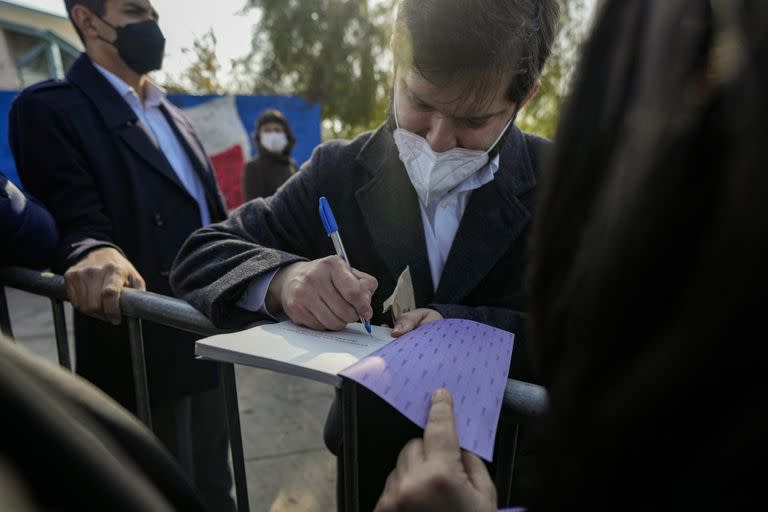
469	359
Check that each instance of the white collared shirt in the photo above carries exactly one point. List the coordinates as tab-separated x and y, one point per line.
157	127
441	217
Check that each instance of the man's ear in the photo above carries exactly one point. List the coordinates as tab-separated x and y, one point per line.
85	21
531	94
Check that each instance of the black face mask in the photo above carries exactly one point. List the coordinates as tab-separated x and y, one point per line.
141	45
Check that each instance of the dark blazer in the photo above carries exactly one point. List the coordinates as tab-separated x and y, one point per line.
80	148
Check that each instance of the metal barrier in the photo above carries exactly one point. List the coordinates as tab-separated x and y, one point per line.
522	400
135	306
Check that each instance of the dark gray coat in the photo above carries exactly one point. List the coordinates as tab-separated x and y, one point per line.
378	213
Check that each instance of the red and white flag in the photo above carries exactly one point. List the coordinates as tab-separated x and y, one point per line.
225	141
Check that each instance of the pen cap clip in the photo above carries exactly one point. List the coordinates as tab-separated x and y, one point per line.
326	215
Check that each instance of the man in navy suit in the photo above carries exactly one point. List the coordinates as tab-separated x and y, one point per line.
123	173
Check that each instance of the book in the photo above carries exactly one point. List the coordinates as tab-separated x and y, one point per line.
469	359
291	349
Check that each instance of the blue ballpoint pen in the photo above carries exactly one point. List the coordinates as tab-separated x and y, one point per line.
332	229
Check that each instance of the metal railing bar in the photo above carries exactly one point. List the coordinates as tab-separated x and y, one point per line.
60	330
136	340
524	400
39	283
227	374
349	445
133	303
5	319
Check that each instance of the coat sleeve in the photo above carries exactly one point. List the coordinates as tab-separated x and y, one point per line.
218	262
53	167
26	227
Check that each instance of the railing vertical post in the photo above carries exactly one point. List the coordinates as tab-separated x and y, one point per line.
5	319
60	330
136	340
349	445
227	374
505	458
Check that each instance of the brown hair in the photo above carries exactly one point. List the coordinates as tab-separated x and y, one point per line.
98	7
485	40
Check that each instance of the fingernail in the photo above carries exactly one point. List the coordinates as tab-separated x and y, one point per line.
439	395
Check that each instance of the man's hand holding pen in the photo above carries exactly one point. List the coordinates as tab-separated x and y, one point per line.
324	294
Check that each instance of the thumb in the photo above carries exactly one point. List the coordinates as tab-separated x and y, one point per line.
408	322
136	281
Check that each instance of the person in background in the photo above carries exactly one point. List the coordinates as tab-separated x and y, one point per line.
125	177
273	165
649	279
27	230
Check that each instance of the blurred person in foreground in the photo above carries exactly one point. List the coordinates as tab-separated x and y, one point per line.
122	172
648	290
273	165
444	187
27	230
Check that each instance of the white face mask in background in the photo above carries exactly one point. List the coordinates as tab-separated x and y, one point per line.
435	174
274	141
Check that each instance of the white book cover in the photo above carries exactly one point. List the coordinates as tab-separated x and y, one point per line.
288	348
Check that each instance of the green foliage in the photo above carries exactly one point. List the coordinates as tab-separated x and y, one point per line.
334	52
202	76
541	114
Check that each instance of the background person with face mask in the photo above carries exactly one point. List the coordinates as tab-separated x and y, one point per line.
123	174
464	68
273	165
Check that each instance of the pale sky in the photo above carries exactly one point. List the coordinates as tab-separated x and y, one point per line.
183	20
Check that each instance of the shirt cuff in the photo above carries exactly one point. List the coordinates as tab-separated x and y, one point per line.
254	298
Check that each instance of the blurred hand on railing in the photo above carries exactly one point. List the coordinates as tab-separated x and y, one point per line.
95	282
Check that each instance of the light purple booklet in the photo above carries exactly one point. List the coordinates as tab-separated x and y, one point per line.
469	359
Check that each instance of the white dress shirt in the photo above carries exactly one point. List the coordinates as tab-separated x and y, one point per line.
157	127
440	218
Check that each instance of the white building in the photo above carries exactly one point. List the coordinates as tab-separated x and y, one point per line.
35	45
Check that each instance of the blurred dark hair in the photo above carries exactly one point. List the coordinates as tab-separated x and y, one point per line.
487	41
274	116
98	7
648	288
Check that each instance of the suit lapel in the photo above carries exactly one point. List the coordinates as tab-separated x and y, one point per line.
136	137
391	212
197	156
119	117
493	220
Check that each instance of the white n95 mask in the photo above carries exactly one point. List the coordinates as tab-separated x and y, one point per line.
274	141
434	174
